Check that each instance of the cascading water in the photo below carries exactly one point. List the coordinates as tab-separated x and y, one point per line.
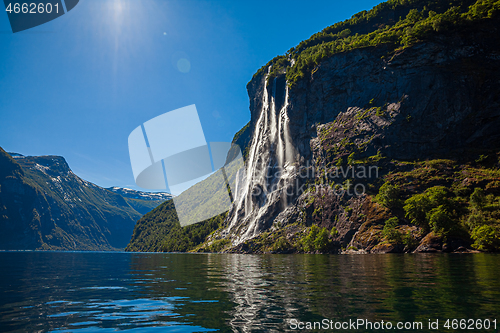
260	193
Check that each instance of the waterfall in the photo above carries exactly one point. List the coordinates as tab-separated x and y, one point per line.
289	148
268	171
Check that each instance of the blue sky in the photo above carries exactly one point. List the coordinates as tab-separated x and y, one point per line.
77	86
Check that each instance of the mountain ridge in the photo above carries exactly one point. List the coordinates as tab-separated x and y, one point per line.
134	194
45	206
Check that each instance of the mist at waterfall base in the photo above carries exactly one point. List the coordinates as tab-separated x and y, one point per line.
159	292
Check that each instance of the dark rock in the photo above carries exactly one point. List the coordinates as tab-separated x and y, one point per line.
387	248
430	244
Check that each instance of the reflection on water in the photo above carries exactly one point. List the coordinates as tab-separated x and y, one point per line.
89	292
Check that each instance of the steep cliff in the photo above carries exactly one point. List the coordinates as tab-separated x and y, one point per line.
44	205
377	135
350	123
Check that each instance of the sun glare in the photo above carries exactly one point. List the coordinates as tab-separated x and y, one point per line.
122	29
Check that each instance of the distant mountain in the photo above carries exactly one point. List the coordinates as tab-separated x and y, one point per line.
44	205
15	155
143	202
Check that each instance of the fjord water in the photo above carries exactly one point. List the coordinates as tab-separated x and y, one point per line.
156	292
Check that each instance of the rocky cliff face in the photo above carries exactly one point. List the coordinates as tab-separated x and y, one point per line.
436	99
44	205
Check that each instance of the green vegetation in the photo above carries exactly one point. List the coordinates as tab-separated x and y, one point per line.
486	238
217	245
448	201
317	239
416	20
409	241
242	139
440	220
484	219
376	158
281	245
390	233
350	159
388	196
160	231
432	210
478	199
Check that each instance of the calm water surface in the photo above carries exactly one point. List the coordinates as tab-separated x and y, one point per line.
109	292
